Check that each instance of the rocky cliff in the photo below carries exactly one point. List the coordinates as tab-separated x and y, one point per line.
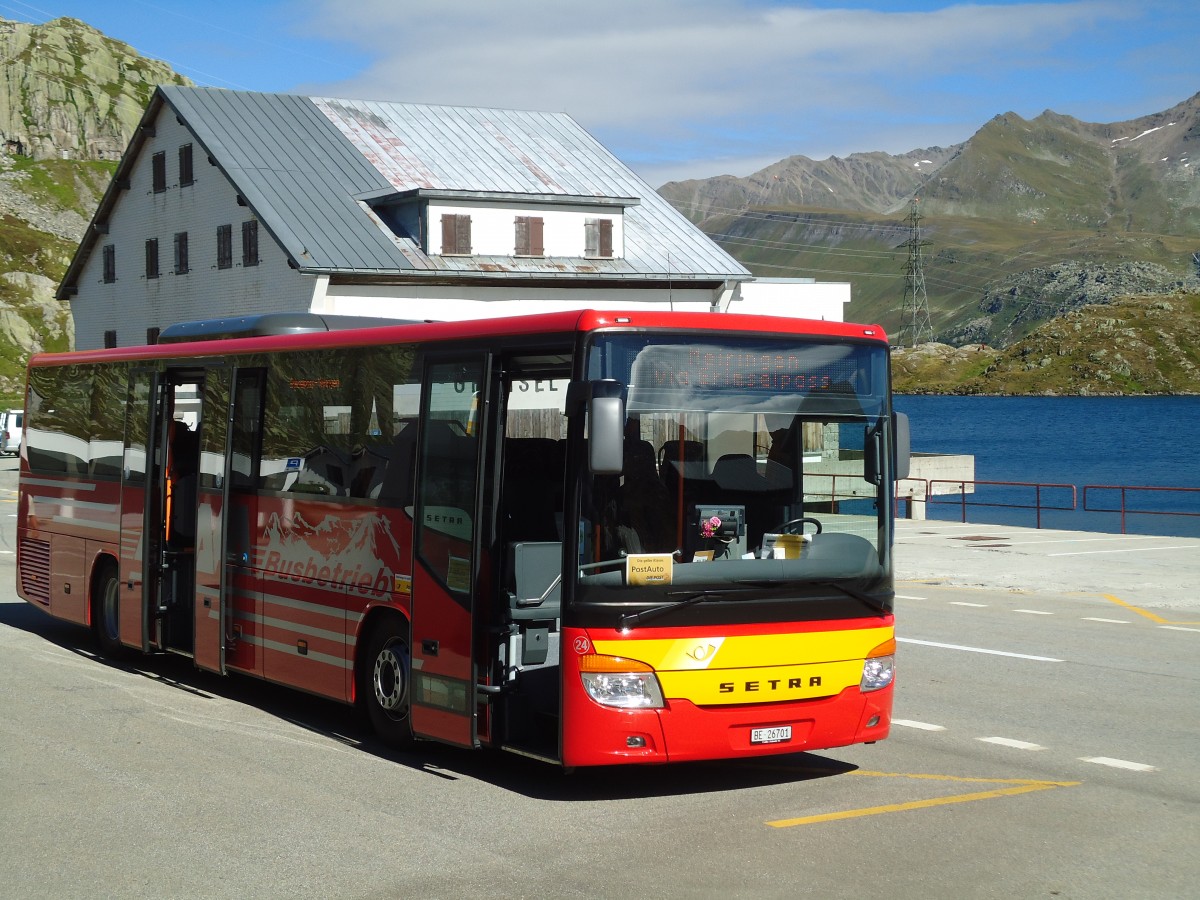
66	90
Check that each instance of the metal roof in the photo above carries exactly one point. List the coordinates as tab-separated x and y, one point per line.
309	168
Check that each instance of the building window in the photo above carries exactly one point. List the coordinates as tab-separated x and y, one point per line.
456	235
110	263
250	243
152	335
598	237
529	236
181	253
110	339
224	246
185	165
152	258
159	170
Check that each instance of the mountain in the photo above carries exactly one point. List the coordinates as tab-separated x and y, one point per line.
70	98
1011	216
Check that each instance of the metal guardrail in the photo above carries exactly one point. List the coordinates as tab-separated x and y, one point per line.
924	490
1037	487
1124	508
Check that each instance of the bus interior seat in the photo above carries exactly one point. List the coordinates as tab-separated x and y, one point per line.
534	566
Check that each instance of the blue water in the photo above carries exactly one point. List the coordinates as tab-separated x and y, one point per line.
1135	441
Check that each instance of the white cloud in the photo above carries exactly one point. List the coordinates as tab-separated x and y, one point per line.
667	82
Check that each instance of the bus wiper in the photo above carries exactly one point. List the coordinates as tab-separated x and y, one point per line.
692	598
861	596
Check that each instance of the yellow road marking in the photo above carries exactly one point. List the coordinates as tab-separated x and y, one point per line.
1153	617
1020	786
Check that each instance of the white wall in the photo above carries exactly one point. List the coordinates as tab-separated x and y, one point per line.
796	298
134	303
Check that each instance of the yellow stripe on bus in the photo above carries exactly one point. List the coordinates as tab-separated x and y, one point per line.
717	651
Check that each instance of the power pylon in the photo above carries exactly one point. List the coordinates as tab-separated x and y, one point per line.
914	309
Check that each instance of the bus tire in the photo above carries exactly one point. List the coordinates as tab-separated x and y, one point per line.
106	610
387	684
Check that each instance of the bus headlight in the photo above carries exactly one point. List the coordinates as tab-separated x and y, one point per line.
879	668
619	682
878	673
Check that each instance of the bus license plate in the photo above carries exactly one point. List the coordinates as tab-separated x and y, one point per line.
771	735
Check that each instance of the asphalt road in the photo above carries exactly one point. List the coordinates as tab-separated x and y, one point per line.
1046	746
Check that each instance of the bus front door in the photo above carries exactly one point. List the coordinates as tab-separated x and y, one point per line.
447	544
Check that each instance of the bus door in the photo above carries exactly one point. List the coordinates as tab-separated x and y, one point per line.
449	509
211	598
162	456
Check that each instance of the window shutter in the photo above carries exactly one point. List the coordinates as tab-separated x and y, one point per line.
158	164
185	165
462	242
521	247
152	258
250	243
606	245
536	246
456	234
181	253
224	246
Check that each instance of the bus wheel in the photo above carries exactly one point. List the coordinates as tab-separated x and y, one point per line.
106	617
387	675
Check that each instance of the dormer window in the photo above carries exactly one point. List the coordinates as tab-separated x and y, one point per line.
456	234
598	238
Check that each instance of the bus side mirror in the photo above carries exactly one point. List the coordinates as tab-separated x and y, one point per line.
903	444
606	435
605	404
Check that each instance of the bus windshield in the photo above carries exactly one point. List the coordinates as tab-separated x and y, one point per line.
748	461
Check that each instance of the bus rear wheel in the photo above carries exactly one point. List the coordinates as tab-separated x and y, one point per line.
106	611
386	688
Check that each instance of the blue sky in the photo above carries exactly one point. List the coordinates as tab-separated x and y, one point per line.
689	88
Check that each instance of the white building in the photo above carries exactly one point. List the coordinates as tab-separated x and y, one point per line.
229	203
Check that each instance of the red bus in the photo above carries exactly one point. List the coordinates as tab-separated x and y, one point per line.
587	537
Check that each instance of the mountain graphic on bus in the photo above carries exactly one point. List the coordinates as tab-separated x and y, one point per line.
353	550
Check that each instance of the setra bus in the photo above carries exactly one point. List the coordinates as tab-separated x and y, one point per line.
587	537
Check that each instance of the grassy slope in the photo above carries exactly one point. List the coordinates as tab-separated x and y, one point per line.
1137	345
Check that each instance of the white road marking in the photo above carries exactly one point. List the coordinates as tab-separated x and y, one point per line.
965	603
1034	612
1098	619
923	726
1168	627
1010	742
1117	763
978	650
1130	550
906	597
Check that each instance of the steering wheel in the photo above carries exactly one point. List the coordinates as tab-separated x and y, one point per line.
786	527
